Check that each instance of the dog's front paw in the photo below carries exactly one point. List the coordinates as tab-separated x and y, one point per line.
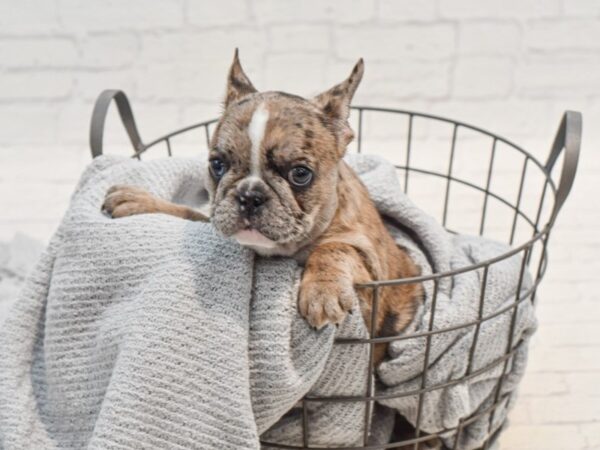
123	201
322	302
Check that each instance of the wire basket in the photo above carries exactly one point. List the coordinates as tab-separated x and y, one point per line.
504	193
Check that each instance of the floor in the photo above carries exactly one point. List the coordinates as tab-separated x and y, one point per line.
559	406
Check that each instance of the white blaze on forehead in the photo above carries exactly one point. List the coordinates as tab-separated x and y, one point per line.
256	132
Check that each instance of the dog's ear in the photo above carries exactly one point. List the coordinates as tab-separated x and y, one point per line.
335	103
238	83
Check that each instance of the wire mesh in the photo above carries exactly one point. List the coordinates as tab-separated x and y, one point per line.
535	224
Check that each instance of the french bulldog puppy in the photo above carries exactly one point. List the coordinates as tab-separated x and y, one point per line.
279	185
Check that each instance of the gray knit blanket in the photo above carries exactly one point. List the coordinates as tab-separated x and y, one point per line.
155	332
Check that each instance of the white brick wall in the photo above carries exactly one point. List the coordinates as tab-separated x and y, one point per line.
511	66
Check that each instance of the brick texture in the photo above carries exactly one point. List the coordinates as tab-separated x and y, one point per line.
508	66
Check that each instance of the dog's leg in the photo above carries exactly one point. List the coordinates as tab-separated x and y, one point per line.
123	201
327	287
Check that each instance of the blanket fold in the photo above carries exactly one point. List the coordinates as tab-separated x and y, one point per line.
155	332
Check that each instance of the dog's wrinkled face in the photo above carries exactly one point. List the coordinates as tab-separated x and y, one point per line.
274	163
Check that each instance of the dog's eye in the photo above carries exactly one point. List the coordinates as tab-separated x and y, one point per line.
217	167
300	176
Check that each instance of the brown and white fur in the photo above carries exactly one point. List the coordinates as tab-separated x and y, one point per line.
328	223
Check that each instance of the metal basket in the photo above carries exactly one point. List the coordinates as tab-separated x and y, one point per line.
535	224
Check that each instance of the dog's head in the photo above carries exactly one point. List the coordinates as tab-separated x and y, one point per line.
274	161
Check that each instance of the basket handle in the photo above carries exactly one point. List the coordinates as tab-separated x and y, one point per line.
568	137
99	118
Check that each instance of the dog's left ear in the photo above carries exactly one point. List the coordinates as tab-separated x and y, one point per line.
238	83
335	104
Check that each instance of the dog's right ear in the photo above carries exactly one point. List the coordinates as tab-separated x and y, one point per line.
238	83
335	104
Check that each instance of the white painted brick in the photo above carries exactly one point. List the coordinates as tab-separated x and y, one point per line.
199	112
299	38
28	123
403	43
559	290
580	271
566	76
278	11
73	122
482	77
563	34
582	334
228	12
25	165
108	50
520	414
190	144
202	47
563	409
591	433
542	385
546	437
353	11
118	15
493	9
157	119
35	201
47	85
38	52
90	83
311	11
564	359
399	81
582	384
185	83
297	73
510	118
586	8
489	38
564	313
406	10
28	16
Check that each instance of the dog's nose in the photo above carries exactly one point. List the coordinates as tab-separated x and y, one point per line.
250	201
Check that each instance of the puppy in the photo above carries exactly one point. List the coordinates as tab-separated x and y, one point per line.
279	186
